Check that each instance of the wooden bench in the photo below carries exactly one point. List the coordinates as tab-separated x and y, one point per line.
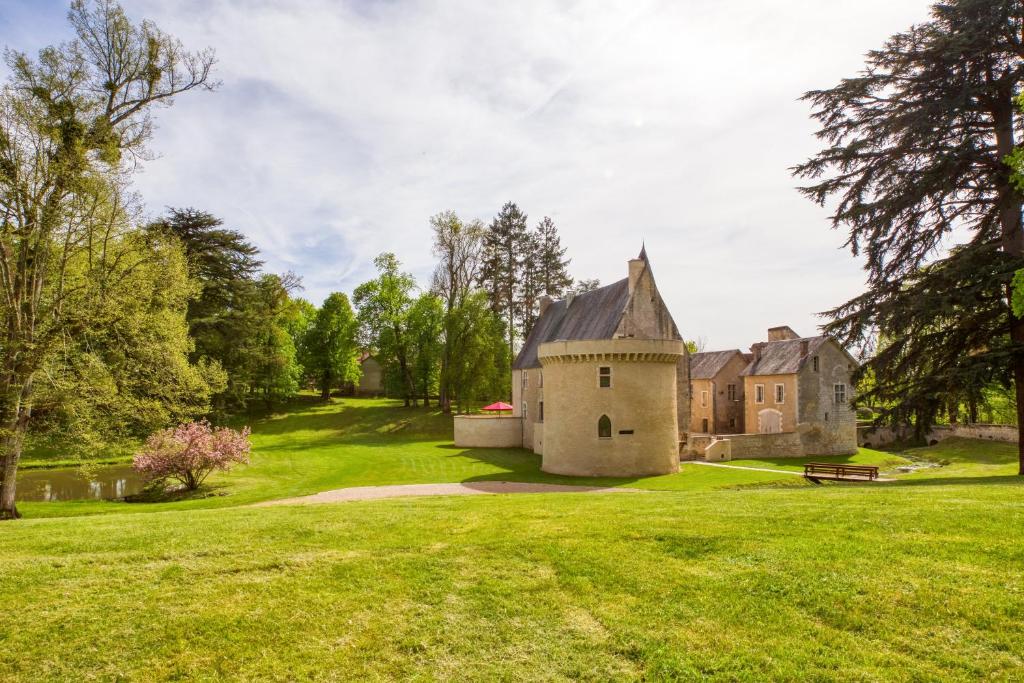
816	471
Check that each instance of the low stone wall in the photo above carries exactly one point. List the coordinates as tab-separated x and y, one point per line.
485	431
695	446
719	450
875	437
784	445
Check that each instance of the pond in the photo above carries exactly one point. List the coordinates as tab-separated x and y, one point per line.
107	482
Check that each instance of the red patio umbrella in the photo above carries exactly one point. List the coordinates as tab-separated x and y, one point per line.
499	406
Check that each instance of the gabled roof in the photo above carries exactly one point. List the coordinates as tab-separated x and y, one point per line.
783	357
707	364
591	315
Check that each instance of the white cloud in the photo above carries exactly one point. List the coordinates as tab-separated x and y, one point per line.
342	127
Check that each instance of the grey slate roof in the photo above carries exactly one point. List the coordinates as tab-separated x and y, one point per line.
707	364
783	357
592	315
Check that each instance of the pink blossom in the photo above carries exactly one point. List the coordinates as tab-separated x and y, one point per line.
189	452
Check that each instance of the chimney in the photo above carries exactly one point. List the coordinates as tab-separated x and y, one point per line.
781	333
545	301
756	349
636	266
804	347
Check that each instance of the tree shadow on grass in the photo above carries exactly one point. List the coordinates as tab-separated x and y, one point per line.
352	422
520	464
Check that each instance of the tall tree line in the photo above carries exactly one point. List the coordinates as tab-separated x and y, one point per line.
918	163
68	121
519	266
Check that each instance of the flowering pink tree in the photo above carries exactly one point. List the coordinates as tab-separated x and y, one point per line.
189	452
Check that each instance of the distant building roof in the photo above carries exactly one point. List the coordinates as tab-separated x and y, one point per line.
591	315
783	357
707	364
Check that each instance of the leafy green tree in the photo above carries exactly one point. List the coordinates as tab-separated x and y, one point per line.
426	321
584	286
480	356
915	157
331	346
128	372
458	247
67	121
384	304
272	371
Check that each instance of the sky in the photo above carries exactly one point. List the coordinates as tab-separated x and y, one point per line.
341	127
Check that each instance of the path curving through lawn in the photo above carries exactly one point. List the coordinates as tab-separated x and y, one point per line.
459	489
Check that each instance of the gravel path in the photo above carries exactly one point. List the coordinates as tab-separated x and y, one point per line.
461	489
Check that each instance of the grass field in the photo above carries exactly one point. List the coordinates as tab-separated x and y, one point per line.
714	574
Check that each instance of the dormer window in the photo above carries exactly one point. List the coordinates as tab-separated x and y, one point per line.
604	377
815	364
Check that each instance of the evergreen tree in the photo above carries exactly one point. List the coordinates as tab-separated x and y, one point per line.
502	266
530	283
225	264
554	267
915	156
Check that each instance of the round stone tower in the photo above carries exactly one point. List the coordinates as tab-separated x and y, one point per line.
610	407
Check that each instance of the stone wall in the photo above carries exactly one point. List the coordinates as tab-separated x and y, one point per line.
875	437
485	431
719	450
784	445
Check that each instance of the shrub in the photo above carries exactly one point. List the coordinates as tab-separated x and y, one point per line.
189	452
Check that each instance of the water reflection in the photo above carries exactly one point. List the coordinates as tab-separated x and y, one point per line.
72	483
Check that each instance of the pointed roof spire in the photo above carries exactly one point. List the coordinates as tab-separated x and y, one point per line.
643	251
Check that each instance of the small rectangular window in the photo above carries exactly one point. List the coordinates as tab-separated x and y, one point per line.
540	379
704	425
814	362
524	410
604	377
703	399
780	393
731	391
732	423
525	378
758	393
540	411
840	394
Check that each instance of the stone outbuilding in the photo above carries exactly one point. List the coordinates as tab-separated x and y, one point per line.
371	382
717	389
802	385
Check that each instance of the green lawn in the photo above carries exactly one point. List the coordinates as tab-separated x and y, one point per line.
721	574
367	442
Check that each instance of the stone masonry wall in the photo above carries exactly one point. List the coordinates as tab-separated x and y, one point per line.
484	431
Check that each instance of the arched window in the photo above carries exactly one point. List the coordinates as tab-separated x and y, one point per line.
604	428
